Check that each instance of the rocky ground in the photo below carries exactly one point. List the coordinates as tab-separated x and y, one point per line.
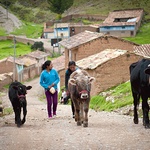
106	131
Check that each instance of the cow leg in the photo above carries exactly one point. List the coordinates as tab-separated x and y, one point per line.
136	98
18	116
81	112
17	111
77	113
145	108
86	108
24	113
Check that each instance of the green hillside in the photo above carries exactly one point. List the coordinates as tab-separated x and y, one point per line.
37	11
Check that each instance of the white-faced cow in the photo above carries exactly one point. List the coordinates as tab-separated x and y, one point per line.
17	95
79	86
140	86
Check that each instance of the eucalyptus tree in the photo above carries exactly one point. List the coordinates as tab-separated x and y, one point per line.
59	6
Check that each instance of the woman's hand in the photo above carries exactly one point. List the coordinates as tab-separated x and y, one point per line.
51	85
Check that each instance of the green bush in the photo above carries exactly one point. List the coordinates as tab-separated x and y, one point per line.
37	46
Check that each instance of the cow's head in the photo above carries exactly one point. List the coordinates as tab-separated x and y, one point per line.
83	85
21	92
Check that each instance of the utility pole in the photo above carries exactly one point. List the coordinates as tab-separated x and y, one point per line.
14	64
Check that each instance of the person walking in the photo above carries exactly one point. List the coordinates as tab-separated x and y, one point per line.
71	68
49	79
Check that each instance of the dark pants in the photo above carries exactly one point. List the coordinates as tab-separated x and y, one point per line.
52	101
66	100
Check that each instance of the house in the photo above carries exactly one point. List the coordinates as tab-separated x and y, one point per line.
48	33
89	43
61	30
110	67
122	23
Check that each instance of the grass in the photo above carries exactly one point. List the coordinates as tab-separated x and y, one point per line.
7	111
7	49
142	36
30	30
121	94
2	32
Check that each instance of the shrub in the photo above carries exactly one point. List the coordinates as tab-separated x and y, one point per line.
37	45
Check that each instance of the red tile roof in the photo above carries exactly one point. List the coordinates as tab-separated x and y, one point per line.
143	50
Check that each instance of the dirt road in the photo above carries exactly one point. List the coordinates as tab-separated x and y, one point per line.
106	131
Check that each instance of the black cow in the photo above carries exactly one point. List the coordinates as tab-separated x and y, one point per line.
17	95
140	86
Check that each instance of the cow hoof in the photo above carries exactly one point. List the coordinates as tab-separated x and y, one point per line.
136	121
78	123
18	125
23	121
85	125
147	126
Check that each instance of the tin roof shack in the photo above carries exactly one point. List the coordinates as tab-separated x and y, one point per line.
109	67
40	57
122	23
89	43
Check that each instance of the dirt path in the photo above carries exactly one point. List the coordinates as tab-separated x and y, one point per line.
106	131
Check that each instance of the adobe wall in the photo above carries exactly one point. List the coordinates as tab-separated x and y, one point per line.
120	33
18	39
99	45
5	67
112	72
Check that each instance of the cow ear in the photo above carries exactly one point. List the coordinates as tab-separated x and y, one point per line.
28	87
72	81
91	79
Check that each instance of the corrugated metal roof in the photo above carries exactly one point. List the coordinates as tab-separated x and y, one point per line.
79	39
94	61
143	50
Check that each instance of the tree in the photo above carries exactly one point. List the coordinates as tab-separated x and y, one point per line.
59	6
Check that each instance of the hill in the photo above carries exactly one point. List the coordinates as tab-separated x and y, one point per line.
37	11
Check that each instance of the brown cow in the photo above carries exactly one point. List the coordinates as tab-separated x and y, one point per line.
79	86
